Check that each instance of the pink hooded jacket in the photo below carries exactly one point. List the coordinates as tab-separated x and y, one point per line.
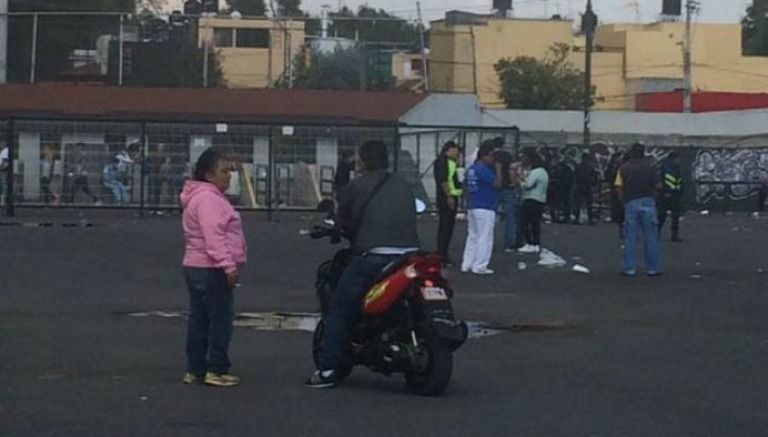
213	231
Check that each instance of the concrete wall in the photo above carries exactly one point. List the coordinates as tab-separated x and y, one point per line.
462	57
255	67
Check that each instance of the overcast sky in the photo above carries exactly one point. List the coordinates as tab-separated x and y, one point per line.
727	11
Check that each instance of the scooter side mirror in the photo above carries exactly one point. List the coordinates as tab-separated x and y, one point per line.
421	206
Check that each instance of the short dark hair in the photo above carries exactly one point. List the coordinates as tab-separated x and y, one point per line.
673	155
374	155
449	145
585	157
206	163
487	148
637	150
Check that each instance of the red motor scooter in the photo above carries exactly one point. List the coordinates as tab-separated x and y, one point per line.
407	323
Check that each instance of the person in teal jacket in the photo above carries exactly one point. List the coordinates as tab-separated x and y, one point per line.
534	194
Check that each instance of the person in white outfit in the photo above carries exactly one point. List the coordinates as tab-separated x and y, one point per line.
482	184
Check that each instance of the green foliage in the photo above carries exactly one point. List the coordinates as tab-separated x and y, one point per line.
341	70
248	8
369	30
551	83
755	29
289	8
72	5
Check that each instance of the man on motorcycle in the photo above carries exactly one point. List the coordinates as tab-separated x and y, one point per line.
379	214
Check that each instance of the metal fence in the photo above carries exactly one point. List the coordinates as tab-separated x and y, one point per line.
143	164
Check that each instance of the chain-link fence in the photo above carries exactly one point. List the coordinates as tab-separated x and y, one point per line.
143	164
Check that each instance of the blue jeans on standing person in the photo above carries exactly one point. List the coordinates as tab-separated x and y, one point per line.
641	214
211	314
510	205
345	305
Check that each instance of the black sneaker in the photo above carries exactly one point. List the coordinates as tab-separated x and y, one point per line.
321	379
676	240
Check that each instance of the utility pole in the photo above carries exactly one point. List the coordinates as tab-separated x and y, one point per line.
422	30
3	41
691	6
588	27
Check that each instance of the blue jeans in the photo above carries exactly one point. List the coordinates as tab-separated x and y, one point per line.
510	205
346	304
119	190
211	314
641	214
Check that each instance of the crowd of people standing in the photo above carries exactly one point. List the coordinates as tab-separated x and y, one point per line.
523	193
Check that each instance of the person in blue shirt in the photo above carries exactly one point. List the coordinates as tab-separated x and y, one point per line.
482	183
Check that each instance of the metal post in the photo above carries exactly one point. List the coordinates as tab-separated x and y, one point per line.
422	30
120	54
9	197
142	185
396	148
270	175
33	59
205	60
517	143
588	26
690	8
3	41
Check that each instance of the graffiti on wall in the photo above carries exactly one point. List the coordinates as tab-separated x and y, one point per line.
729	166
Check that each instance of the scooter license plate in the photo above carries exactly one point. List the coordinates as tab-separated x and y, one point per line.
434	293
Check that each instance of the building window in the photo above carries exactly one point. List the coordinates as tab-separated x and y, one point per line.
252	38
223	37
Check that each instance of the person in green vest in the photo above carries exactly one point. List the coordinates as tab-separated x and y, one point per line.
671	196
449	191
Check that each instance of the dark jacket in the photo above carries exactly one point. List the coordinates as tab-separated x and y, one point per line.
585	176
389	219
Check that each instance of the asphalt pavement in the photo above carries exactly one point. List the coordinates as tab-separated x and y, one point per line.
593	354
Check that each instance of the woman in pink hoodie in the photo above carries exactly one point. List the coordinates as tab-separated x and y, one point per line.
214	252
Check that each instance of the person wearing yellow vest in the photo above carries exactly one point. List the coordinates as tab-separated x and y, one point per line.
671	196
449	191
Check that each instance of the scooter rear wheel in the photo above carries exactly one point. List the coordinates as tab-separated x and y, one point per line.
432	373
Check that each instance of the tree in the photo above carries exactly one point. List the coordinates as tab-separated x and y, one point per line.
169	57
341	70
57	36
388	32
249	8
289	8
551	83
754	29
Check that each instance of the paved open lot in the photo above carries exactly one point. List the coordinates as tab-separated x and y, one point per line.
680	355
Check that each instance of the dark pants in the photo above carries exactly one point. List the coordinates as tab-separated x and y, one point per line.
45	187
582	198
447	217
346	304
211	314
510	201
561	205
673	204
80	183
531	221
761	196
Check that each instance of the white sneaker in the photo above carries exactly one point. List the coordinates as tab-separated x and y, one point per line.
485	271
465	269
528	248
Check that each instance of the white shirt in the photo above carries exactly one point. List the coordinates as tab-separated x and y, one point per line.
4	157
